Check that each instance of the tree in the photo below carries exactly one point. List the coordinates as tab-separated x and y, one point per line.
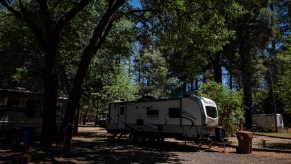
48	31
97	40
47	27
278	61
253	31
152	74
20	66
188	34
229	104
120	87
116	48
284	84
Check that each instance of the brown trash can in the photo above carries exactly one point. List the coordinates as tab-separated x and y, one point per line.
244	142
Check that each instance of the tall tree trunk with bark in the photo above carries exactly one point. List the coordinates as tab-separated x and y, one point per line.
246	74
230	79
51	83
216	62
99	36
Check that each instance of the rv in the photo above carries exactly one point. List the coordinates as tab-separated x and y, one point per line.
21	109
188	118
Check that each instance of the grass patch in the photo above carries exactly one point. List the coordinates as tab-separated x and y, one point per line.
279	134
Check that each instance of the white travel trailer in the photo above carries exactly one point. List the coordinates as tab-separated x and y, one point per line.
23	109
189	118
267	121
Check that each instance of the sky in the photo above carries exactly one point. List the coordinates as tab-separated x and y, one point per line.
136	3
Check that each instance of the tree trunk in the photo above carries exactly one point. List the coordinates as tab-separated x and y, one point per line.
196	84
76	122
97	111
247	103
216	62
230	80
99	35
289	10
49	128
74	97
246	73
184	87
192	85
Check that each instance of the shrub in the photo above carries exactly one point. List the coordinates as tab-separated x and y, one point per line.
229	104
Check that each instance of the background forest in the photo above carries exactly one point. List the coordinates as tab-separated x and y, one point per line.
236	52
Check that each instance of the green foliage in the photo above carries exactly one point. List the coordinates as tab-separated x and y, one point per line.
253	31
284	84
21	58
189	31
229	104
106	79
261	101
120	87
113	85
152	74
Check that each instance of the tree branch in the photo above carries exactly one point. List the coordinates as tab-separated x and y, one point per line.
142	11
105	34
110	2
71	14
24	17
289	10
22	8
46	15
103	23
12	10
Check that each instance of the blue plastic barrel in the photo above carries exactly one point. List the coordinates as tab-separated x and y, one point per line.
28	135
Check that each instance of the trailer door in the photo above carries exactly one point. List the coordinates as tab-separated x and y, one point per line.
122	114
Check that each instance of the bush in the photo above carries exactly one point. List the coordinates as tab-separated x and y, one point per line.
229	104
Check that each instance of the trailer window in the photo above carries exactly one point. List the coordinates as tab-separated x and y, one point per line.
211	111
174	112
153	113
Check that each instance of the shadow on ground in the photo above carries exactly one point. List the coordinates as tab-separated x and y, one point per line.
101	150
282	146
104	151
123	151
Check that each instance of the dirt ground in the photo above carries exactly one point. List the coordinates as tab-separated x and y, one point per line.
92	146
